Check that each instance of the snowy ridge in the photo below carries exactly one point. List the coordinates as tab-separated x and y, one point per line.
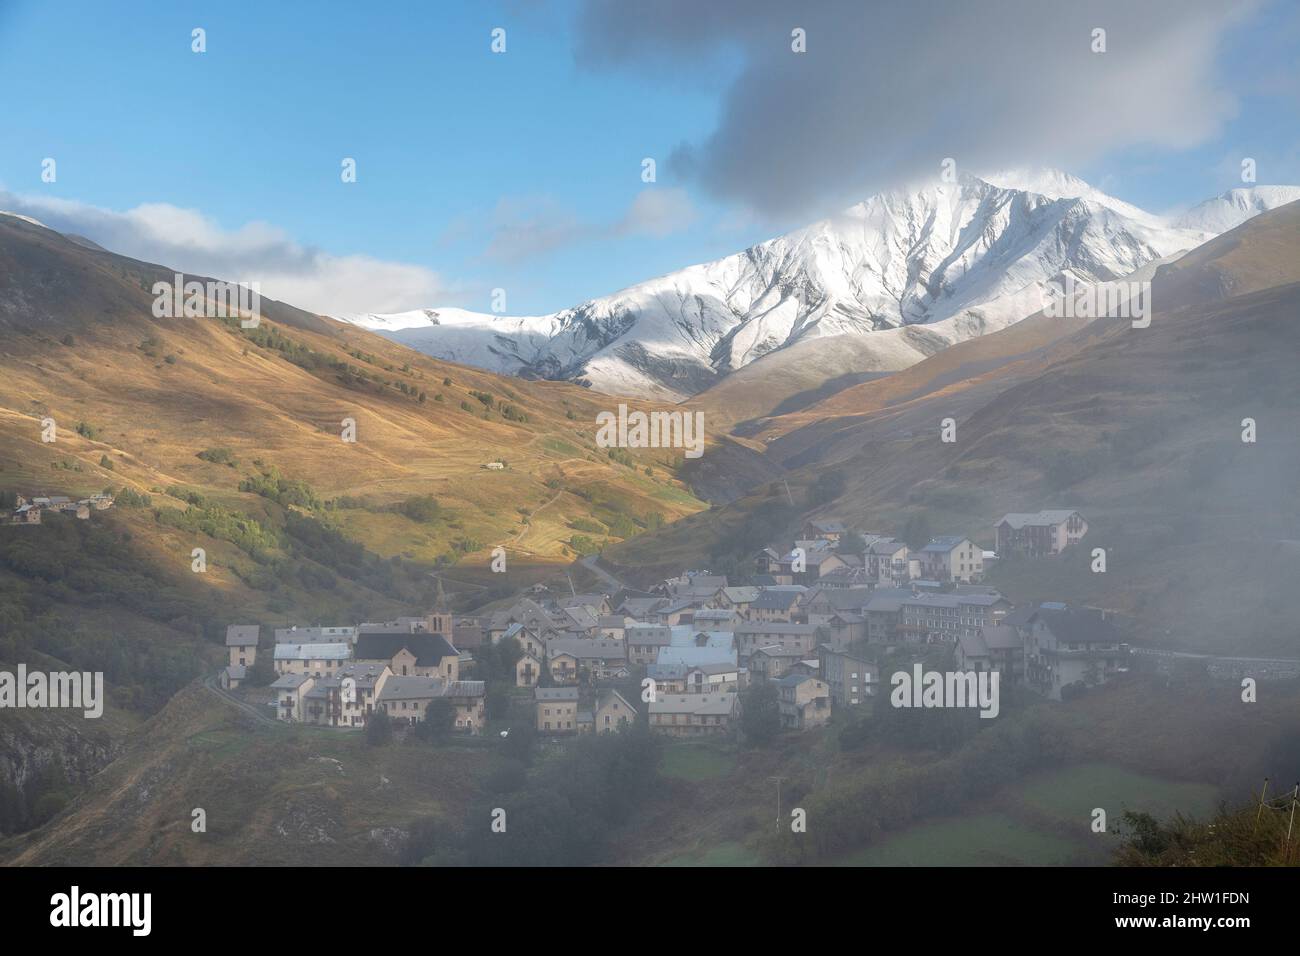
958	259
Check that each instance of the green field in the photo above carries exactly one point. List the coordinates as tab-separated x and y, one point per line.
693	761
1043	821
989	839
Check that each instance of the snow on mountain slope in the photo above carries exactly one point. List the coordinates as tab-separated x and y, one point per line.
1234	207
959	259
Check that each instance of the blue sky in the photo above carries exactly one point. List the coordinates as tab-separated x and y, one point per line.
522	170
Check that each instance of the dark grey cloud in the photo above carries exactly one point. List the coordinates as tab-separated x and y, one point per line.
886	90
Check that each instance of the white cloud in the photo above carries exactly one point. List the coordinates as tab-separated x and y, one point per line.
886	90
190	242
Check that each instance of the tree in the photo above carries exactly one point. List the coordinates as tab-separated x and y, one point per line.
262	672
851	543
439	717
916	531
760	714
379	729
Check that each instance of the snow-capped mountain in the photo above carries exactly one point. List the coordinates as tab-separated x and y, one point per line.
959	259
1234	207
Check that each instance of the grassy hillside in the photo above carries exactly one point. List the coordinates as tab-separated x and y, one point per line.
230	439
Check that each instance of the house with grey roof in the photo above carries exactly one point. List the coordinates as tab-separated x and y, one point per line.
318	660
241	644
692	715
804	702
952	558
1039	534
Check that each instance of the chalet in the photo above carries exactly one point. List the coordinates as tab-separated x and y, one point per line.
612	712
290	692
568	659
598	604
347	697
231	676
738	599
773	661
715	619
417	654
316	660
676	611
241	643
850	678
821	604
407	699
528	639
776	604
577	620
830	531
952	558
613	627
640	608
1039	535
801	638
528	670
883	611
996	648
804	702
767	561
712	678
886	563
692	715
1070	649
670	676
557	710
644	641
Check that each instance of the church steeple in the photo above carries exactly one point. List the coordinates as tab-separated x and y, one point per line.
440	619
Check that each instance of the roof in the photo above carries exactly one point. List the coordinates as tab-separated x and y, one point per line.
1053	516
944	543
578	616
639	606
715	667
429	649
312	652
700	704
887	600
242	635
1000	637
774	627
420	688
694	656
237	671
773	599
556	693
605	696
778	650
649	634
886	546
614	620
1080	625
741	595
792	680
972	645
289	681
586	649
